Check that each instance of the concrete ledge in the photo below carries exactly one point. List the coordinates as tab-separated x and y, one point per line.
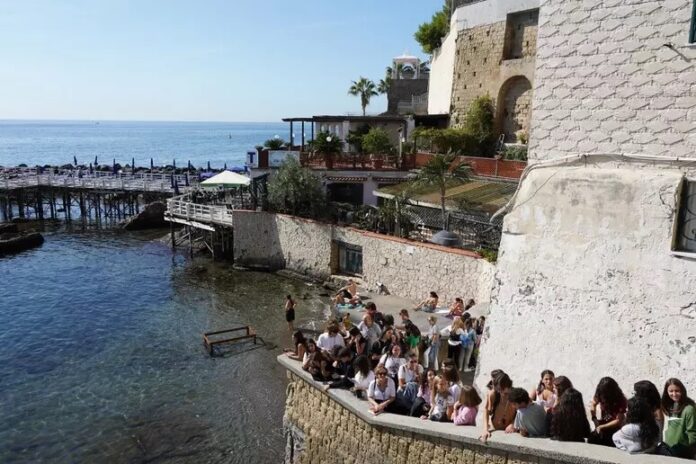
546	449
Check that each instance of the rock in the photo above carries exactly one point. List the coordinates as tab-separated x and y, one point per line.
14	243
8	228
151	217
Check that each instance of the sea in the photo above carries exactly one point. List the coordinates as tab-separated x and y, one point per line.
61	142
101	330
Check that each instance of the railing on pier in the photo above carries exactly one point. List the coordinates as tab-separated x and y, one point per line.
182	207
155	182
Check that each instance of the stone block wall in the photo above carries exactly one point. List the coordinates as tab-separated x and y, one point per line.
614	77
335	427
407	268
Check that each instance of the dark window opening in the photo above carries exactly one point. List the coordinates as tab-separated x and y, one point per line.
692	30
685	239
349	259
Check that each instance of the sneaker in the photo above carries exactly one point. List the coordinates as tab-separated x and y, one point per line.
468	369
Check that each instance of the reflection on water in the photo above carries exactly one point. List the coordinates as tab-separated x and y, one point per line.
101	354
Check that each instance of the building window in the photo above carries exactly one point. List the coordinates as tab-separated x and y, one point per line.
349	259
685	238
692	30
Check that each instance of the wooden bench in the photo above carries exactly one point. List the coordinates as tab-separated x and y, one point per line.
209	339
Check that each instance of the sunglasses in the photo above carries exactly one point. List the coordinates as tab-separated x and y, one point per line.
381	374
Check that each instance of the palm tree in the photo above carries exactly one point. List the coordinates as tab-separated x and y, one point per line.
366	89
442	173
384	85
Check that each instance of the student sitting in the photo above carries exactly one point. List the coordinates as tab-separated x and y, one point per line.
442	402
356	342
530	418
429	304
543	394
316	363
640	434
381	393
412	334
498	412
411	372
611	401
377	316
300	346
466	409
392	361
363	376
342	370
369	330
456	308
569	420
330	341
647	390
421	406
680	412
349	292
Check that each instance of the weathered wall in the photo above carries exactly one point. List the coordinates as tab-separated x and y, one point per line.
408	269
448	71
614	77
587	286
335	427
401	90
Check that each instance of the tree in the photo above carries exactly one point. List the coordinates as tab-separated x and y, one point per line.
384	85
480	123
274	143
430	35
393	214
364	88
442	172
326	143
377	142
296	190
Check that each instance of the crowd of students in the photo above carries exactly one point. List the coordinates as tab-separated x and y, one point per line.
379	361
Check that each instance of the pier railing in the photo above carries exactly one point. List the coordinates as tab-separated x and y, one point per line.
156	182
182	207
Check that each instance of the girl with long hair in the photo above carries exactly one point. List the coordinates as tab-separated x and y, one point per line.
299	346
442	402
640	434
363	375
608	410
680	413
421	406
647	390
466	408
543	394
569	421
499	412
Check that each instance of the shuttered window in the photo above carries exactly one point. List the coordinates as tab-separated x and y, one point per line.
692	31
685	239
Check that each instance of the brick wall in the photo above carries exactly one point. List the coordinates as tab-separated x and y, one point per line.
609	84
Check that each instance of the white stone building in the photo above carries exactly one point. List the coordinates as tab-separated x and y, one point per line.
597	267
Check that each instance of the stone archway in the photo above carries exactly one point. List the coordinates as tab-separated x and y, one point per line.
514	107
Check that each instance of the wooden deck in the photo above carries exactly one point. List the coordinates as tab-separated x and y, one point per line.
138	182
183	211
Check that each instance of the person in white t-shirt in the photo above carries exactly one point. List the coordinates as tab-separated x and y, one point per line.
364	375
392	361
410	372
330	341
441	403
381	393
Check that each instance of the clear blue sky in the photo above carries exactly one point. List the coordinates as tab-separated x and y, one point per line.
213	60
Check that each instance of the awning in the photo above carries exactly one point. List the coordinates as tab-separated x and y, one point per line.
227	179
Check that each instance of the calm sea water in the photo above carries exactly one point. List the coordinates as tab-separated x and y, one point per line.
57	142
101	356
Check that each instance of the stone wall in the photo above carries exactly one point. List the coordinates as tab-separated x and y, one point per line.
614	77
335	427
407	268
401	90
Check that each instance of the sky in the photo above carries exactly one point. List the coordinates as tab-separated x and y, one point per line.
206	60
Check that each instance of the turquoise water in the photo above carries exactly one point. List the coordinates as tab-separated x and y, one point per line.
101	356
56	142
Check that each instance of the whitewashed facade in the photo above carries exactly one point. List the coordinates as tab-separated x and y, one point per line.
588	282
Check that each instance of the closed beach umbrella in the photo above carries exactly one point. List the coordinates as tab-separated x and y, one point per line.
176	188
75	160
95	161
114	166
186	179
133	165
225	168
208	165
174	164
152	164
90	168
189	165
172	179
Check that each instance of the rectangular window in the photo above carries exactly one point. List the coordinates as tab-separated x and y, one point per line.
692	30
349	259
685	238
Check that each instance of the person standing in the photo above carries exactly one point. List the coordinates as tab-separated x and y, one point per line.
290	312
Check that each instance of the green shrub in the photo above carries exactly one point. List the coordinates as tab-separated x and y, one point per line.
377	142
296	190
322	144
445	140
480	124
515	153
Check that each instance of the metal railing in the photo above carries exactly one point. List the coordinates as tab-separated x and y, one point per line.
155	182
182	207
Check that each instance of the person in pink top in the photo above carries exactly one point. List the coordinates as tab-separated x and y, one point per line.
466	408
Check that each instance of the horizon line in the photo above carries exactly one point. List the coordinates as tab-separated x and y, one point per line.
138	120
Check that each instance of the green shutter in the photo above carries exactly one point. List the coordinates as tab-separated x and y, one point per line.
692	30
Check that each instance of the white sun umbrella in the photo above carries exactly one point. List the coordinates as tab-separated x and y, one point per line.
227	179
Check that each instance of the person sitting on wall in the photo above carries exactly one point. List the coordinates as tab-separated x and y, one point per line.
640	433
610	401
456	308
300	346
530	418
412	333
429	304
498	413
349	292
392	361
342	370
680	414
357	343
363	376
421	405
369	330
410	372
466	408
442	402
543	394
330	341
316	363
568	418
381	393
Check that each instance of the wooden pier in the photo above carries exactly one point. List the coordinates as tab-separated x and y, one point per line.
209	340
98	196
